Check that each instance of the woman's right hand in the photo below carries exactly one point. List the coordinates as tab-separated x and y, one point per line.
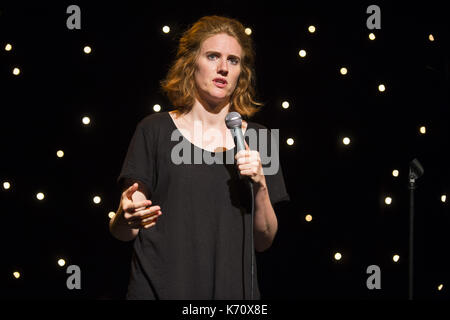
138	214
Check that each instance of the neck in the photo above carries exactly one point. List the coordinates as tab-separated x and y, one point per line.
210	116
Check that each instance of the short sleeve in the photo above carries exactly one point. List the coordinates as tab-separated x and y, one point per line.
268	147
139	162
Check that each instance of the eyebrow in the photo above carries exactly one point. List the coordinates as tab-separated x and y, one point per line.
216	52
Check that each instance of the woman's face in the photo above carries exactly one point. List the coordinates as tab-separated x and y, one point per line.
218	67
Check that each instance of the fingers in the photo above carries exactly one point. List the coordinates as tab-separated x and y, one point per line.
129	192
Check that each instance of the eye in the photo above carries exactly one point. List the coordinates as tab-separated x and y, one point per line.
212	56
234	61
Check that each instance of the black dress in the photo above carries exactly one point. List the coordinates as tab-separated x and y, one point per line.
200	247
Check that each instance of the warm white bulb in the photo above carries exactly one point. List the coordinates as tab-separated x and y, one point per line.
395	258
337	256
290	141
8	47
440	287
308	218
111	214
444	198
381	88
285	104
302	53
86	120
371	36
166	29
395	173
346	141
61	262
60	153
157	108
423	130
388	200
16	274
40	196
343	71
312	29
6	185
431	37
97	199
16	71
248	31
87	49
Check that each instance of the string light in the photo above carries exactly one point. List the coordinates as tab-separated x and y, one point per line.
97	199
395	173
166	29
157	108
16	71
6	185
440	287
396	257
337	256
346	141
61	262
312	29
285	104
431	37
371	36
343	71
444	198
423	130
60	153
308	218
40	196
381	88
8	47
290	141
87	49
16	274
86	120
302	53
388	200
111	214
248	31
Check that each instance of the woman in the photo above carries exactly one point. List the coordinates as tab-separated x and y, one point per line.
190	221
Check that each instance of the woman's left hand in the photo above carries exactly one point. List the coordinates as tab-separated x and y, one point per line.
249	164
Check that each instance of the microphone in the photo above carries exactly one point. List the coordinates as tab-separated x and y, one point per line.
233	121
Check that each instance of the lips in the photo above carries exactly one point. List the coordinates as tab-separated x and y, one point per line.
220	82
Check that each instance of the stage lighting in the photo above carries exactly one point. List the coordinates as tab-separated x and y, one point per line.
248	31
87	49
346	141
388	200
8	47
16	274
97	199
396	257
444	198
371	36
290	141
86	120
308	218
60	153
111	214
302	53
312	29
337	256
16	71
166	29
6	185
423	130
285	104
395	173
343	71
61	262
381	88
40	196
157	108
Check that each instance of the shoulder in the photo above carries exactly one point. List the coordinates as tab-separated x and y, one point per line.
155	120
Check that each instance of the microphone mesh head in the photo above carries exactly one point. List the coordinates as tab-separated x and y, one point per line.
233	120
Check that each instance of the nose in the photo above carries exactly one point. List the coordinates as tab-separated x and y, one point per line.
222	67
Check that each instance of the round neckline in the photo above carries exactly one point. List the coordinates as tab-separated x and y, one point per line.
195	146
